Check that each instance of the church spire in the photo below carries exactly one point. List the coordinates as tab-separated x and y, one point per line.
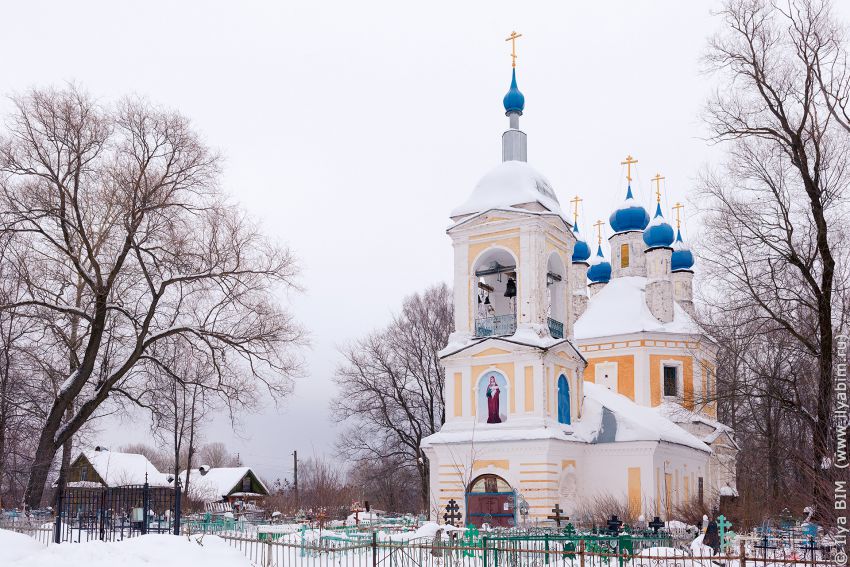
514	143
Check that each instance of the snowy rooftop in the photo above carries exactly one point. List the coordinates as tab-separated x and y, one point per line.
611	417
510	184
217	482
620	309
118	469
679	414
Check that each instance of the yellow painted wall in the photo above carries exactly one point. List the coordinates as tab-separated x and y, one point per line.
655	361
625	372
529	388
634	490
499	464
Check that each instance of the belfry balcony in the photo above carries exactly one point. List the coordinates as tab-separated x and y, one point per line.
496	326
556	328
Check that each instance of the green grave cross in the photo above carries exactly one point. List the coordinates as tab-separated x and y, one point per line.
470	540
722	525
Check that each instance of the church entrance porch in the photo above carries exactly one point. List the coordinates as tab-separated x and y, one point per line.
490	500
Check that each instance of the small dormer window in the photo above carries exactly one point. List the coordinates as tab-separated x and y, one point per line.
671	382
84	473
246	483
624	255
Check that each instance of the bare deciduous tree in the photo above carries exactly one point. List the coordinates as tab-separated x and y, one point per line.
391	385
131	244
773	208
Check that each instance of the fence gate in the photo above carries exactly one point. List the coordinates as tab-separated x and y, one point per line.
115	513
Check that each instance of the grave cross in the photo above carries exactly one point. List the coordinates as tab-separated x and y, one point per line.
765	545
452	512
556	515
614	524
722	525
656	524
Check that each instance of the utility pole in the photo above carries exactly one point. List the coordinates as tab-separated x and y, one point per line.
295	475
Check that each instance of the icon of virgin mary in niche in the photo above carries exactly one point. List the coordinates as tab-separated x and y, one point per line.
493	398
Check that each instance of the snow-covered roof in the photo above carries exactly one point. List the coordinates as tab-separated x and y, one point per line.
679	414
620	308
611	417
120	469
510	184
217	482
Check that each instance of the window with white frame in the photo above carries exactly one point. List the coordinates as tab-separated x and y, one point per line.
671	381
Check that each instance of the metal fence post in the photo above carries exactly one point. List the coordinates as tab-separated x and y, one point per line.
581	553
145	505
374	549
177	506
743	560
484	547
57	528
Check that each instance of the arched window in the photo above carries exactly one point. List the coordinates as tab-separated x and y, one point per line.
624	255
563	400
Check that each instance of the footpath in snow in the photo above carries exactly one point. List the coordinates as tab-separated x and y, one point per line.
19	550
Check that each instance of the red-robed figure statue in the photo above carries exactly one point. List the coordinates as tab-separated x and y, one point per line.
493	401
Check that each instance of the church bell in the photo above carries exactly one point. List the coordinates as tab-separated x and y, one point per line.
510	288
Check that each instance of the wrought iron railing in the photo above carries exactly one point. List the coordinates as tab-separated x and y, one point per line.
556	328
498	325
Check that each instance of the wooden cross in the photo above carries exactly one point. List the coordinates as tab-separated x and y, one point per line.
722	525
556	515
514	36
677	207
657	180
575	201
656	524
628	163
452	512
599	224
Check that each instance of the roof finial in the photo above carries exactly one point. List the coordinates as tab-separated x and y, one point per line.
658	177
628	163
598	226
678	207
513	37
575	201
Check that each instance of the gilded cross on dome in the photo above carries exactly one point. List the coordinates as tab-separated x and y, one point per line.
657	179
678	207
513	37
599	224
628	163
575	201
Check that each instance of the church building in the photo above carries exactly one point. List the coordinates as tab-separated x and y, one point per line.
570	377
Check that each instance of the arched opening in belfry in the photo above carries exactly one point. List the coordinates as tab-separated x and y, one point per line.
496	289
556	295
490	500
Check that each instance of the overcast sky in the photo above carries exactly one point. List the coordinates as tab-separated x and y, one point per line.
351	129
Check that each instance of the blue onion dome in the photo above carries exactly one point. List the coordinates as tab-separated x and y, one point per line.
658	233
629	216
600	268
514	101
683	258
581	251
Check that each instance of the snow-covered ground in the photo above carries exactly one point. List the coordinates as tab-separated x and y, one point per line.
19	550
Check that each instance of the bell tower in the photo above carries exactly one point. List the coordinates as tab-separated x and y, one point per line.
510	364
